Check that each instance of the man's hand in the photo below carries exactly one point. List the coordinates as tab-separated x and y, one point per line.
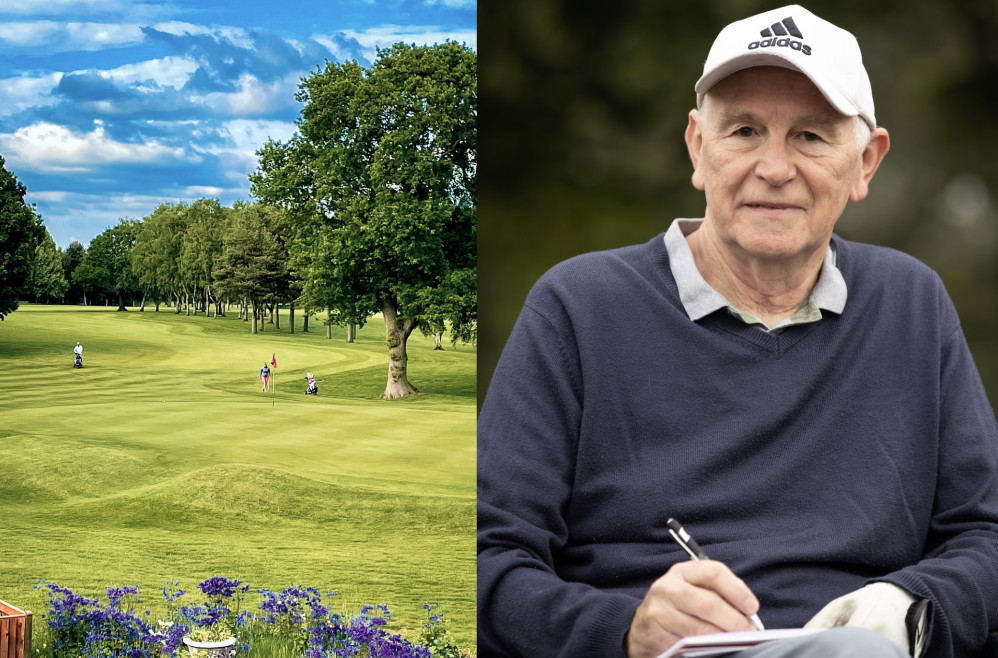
881	607
692	598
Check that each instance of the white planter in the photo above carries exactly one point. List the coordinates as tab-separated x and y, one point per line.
221	649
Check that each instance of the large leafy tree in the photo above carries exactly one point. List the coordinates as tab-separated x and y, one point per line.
156	254
47	280
107	263
380	183
21	231
71	259
252	267
201	246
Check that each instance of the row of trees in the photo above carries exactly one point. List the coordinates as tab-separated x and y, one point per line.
370	208
200	256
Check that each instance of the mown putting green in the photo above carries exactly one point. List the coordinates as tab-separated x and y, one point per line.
161	459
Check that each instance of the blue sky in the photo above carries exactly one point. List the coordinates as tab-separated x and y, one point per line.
111	107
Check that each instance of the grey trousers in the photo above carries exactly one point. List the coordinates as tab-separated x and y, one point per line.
841	642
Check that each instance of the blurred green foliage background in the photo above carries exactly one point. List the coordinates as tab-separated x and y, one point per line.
583	107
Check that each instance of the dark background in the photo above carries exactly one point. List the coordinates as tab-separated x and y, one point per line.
583	107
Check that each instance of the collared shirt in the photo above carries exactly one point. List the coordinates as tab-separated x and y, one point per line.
700	299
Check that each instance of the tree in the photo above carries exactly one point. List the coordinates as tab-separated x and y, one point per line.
380	184
156	254
20	233
252	265
71	259
47	279
201	246
107	263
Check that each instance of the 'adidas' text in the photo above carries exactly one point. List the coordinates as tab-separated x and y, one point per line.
792	44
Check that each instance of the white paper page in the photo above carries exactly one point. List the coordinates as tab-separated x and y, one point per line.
714	644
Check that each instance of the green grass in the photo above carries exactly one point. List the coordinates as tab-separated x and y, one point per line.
161	459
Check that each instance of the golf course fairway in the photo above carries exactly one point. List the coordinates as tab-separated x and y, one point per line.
161	459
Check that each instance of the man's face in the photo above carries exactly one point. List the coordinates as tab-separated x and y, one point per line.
776	162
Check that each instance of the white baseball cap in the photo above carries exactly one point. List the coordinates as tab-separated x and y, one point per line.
794	38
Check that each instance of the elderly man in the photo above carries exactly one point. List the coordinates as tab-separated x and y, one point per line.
807	406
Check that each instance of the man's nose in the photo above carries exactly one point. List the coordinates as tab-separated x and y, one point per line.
775	164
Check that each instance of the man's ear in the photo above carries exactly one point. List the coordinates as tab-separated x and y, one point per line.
694	144
880	143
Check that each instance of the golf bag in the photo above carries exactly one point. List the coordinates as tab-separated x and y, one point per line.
79	361
312	388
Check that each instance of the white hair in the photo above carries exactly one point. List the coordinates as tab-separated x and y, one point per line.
862	133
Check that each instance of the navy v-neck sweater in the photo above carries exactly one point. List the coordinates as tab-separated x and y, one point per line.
858	448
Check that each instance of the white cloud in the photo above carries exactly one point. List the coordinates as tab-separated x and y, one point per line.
132	10
201	191
237	35
27	91
165	72
61	37
52	148
247	136
252	96
385	36
236	142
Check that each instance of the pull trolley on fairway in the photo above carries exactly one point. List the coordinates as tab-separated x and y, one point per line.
78	351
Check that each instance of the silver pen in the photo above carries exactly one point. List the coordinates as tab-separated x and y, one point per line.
696	553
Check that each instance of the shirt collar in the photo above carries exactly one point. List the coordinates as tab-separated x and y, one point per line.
699	299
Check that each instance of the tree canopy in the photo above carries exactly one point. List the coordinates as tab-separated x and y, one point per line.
47	279
380	188
21	232
107	263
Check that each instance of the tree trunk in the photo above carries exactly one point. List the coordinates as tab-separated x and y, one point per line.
253	328
291	316
397	333
351	333
277	316
329	324
305	321
437	340
121	300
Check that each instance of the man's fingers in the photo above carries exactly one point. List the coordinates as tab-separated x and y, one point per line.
718	578
704	597
692	598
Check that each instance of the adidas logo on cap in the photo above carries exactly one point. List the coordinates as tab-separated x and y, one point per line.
785	29
829	56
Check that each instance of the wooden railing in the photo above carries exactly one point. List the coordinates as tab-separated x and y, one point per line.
15	632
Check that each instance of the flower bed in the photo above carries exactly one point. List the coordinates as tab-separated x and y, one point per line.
292	623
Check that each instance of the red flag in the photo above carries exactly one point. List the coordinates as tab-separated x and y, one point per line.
273	360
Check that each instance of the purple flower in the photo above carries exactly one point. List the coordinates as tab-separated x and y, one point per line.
220	586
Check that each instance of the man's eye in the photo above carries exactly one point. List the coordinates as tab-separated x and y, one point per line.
744	131
810	137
